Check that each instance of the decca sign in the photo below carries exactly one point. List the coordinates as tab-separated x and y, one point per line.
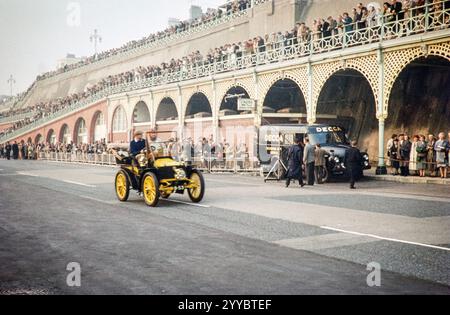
328	129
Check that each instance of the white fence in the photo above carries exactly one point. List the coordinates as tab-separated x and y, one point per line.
230	164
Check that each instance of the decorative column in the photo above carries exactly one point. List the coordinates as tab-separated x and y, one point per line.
258	111
181	114
311	108
215	111
381	115
153	110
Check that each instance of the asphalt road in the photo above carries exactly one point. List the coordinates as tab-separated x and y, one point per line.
247	237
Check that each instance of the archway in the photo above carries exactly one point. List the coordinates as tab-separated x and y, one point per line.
119	122
347	100
99	132
65	135
229	105
81	134
141	114
419	102
51	137
284	97
167	110
198	106
39	139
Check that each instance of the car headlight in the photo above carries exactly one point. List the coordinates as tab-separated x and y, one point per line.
179	173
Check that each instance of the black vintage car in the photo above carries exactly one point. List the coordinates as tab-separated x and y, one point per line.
155	174
275	140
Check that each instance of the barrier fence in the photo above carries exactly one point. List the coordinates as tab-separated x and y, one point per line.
232	164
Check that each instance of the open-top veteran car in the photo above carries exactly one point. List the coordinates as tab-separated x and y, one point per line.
155	174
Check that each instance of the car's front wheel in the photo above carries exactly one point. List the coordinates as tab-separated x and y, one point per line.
122	185
150	189
197	192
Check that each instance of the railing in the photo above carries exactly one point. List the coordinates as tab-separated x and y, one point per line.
418	20
15	118
231	164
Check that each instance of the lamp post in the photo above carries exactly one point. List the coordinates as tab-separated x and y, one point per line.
96	39
11	81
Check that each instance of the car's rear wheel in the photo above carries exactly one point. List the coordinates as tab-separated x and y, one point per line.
197	192
122	186
150	189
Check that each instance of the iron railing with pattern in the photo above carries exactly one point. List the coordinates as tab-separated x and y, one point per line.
143	45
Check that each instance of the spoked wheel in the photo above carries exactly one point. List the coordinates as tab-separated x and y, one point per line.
122	186
198	191
150	190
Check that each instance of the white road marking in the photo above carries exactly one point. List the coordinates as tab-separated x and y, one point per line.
385	238
78	183
101	200
188	203
27	174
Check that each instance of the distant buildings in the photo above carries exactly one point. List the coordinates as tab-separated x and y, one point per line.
69	60
195	12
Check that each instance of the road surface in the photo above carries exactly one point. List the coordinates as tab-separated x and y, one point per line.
246	237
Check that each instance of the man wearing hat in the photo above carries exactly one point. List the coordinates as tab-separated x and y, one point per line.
138	144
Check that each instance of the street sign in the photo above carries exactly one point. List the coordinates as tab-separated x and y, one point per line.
246	104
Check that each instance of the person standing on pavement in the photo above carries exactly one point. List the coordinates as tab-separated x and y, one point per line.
320	163
441	154
309	160
15	150
405	151
353	162
8	150
295	163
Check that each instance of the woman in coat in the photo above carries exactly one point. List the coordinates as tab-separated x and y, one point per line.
422	152
394	155
441	154
413	156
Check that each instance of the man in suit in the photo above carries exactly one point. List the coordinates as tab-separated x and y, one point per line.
15	149
138	144
353	159
295	163
8	150
309	161
320	163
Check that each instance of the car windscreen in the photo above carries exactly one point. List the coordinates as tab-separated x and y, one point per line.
328	138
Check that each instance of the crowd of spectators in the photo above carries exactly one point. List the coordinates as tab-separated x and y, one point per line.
206	152
420	155
30	151
361	17
229	8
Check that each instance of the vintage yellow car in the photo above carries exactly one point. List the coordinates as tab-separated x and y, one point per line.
155	174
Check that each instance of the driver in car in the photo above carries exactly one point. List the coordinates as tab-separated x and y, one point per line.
138	144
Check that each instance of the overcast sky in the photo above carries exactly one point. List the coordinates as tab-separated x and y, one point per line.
34	34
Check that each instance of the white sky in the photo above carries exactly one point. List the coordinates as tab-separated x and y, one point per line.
34	34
